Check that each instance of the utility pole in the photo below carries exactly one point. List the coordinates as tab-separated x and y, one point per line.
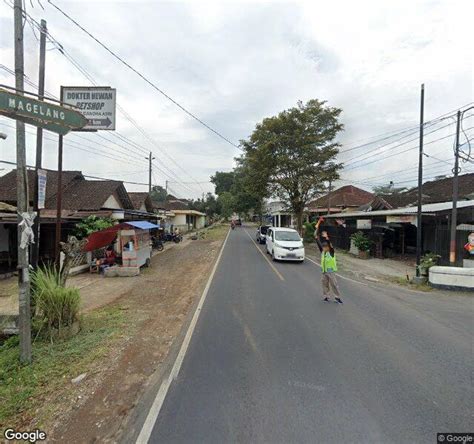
420	183
329	197
454	214
22	196
59	197
150	158
166	189
39	146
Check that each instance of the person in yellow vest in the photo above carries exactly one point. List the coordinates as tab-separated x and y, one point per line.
328	265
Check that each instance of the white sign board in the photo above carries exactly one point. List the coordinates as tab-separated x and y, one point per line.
364	224
96	103
41	188
402	219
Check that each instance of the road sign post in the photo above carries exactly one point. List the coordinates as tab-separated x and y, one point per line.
96	103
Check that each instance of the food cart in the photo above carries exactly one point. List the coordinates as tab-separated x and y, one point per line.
131	241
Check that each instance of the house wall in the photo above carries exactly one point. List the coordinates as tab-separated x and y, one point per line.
200	222
112	202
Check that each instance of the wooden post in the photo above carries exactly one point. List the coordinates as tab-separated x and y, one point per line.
22	196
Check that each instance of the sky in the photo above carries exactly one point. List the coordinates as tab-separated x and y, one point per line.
233	63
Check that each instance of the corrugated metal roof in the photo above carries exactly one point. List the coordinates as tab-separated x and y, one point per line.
142	224
427	208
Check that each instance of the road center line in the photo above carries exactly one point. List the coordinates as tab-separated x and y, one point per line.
265	257
165	385
339	275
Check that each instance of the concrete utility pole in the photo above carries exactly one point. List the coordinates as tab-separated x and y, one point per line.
454	214
39	145
22	196
59	199
420	183
150	159
166	189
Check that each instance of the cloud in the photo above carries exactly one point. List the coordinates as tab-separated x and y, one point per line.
234	63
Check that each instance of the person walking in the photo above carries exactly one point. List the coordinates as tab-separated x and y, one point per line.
328	265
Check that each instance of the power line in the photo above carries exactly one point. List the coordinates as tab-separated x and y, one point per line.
352	167
85	175
143	77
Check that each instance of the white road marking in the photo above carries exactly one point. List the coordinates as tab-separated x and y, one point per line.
152	416
340	275
265	256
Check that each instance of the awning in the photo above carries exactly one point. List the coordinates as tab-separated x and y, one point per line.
101	239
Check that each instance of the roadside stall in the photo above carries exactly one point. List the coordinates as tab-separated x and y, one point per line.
127	248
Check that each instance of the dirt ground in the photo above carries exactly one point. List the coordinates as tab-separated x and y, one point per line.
157	303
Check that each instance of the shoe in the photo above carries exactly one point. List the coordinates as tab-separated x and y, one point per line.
326	299
338	300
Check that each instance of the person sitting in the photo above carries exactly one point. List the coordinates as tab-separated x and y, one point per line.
110	256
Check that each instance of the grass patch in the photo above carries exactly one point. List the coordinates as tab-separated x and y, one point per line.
403	282
216	232
24	389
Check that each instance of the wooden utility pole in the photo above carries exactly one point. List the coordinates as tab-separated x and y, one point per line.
329	197
420	183
22	196
39	146
150	159
454	213
59	203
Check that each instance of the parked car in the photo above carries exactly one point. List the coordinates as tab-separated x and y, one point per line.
261	233
238	222
284	244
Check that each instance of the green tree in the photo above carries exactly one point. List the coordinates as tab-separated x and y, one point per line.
223	181
158	194
227	203
91	224
292	155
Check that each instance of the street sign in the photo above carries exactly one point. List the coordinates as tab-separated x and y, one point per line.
58	119
97	103
41	188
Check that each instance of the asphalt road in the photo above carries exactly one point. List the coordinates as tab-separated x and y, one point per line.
269	362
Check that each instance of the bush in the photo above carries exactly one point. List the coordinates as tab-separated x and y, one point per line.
428	260
56	307
92	224
361	241
309	228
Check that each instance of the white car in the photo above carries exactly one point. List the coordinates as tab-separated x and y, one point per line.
284	244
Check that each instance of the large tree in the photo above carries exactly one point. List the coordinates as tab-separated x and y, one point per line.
292	155
223	181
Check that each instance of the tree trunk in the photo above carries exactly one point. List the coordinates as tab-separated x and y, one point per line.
299	222
71	248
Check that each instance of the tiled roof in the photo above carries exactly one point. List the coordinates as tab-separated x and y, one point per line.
78	193
8	184
171	205
139	198
346	196
440	190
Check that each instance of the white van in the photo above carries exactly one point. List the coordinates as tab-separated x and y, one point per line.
284	244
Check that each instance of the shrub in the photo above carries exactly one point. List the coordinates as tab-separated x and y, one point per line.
361	241
309	228
428	260
56	307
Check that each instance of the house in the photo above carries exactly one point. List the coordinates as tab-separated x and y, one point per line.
394	230
439	190
141	201
345	198
80	198
278	214
180	215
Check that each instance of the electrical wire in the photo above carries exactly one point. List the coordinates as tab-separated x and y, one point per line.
143	77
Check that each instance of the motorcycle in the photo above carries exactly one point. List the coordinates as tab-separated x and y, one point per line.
157	244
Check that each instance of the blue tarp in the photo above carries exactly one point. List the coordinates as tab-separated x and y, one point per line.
142	224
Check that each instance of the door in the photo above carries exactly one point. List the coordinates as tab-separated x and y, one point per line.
269	239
